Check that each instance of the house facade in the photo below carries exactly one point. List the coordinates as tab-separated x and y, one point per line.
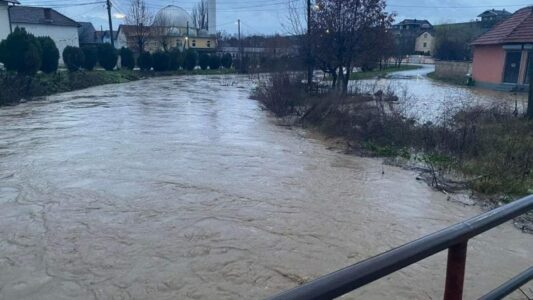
407	33
173	27
491	17
5	25
425	43
500	56
38	21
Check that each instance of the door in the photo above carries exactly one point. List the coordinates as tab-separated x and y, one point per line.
512	66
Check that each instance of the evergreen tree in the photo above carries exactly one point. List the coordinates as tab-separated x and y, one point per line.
21	52
203	61
73	58
145	61
91	58
107	57
127	60
50	55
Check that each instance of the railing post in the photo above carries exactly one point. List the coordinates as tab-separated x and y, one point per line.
455	272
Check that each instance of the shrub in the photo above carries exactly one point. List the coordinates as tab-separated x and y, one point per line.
50	55
145	61
91	58
175	59
214	62
203	61
21	52
161	61
227	61
3	51
73	58
32	60
126	59
107	56
191	58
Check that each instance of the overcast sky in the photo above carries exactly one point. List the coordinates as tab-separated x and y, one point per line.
268	17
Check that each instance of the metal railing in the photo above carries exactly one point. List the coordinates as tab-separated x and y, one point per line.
454	238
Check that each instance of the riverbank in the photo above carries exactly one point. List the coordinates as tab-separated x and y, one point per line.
383	72
17	88
485	150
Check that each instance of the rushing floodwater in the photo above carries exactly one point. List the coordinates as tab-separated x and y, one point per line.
183	188
426	99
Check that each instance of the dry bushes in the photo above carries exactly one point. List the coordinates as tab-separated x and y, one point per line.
491	146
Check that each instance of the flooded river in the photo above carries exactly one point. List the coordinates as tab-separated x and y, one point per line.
427	99
183	188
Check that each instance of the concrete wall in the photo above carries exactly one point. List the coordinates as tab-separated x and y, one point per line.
4	21
63	36
452	69
488	65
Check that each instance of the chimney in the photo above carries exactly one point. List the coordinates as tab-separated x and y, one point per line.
212	16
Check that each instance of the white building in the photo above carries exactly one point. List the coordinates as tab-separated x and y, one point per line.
5	27
173	27
39	21
425	43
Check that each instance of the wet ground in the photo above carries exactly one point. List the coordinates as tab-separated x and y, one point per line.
183	188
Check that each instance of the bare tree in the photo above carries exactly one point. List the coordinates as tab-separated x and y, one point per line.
296	18
163	31
140	17
200	15
344	31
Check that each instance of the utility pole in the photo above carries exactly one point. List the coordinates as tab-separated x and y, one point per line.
110	23
530	95
309	55
241	67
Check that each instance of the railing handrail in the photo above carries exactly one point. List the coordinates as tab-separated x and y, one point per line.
353	277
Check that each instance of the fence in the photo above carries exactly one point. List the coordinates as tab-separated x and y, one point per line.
454	238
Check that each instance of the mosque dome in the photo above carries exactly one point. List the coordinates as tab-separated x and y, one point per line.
173	16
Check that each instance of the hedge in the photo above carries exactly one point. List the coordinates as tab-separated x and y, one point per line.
73	58
126	59
21	52
160	61
50	55
91	58
145	61
107	57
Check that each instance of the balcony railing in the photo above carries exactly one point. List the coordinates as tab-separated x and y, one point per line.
454	238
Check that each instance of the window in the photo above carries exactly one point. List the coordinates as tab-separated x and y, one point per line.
425	35
208	44
425	45
194	43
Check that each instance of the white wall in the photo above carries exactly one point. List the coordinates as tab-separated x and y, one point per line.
4	21
425	39
63	36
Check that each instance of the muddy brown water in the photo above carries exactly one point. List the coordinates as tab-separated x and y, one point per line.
183	188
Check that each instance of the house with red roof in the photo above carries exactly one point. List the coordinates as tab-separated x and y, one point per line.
501	56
